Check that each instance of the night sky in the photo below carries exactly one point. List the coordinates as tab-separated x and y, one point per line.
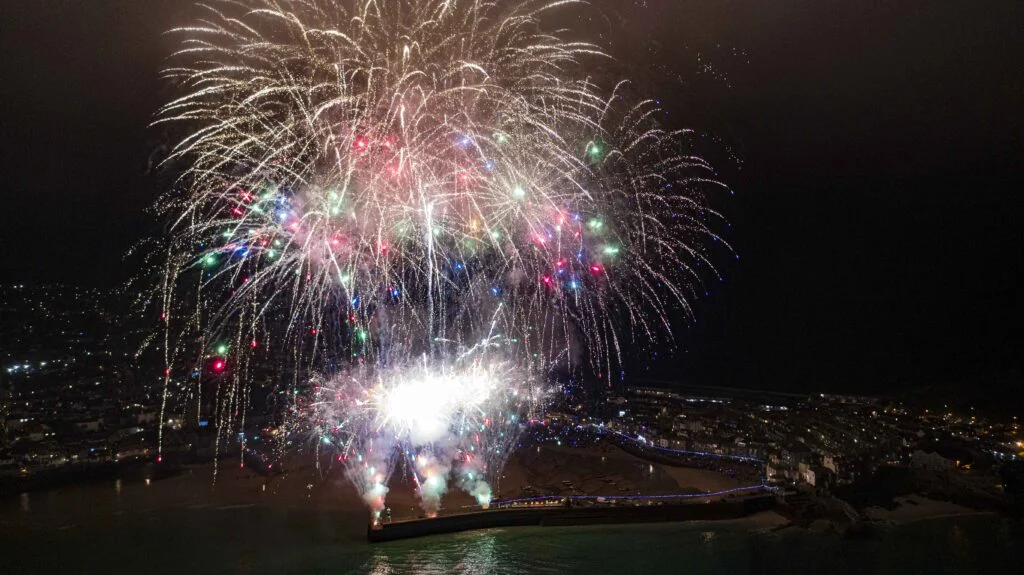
876	211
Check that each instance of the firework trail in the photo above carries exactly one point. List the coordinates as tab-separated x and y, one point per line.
373	190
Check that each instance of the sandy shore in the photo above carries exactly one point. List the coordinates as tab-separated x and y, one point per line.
546	470
551	470
917	508
601	470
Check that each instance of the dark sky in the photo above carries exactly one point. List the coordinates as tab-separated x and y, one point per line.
877	214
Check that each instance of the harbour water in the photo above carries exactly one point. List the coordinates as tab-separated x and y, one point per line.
159	528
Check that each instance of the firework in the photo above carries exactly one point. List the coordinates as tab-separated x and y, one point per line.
455	417
371	187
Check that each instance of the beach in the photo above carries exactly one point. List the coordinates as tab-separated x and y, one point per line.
919	508
600	469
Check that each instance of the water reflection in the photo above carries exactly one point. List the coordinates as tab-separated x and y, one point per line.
223	532
479	552
958	542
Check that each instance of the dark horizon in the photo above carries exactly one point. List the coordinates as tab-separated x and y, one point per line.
875	214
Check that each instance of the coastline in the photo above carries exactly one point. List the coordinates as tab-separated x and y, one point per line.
913	508
604	470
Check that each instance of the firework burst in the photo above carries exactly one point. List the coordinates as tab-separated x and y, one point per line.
458	417
369	182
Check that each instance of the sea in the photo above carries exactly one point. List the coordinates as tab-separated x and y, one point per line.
136	529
